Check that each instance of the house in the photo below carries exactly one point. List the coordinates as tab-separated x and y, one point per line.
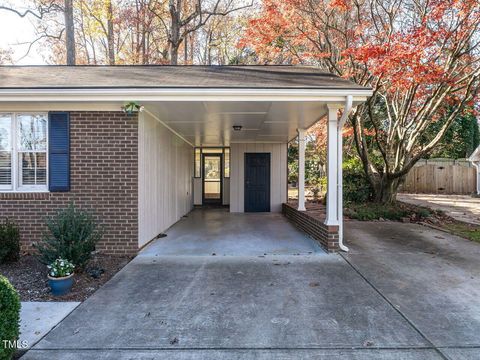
205	135
475	160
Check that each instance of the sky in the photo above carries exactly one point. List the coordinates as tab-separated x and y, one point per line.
15	30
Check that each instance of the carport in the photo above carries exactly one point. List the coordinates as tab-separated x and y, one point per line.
239	121
204	134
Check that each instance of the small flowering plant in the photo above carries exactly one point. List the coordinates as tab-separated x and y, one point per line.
60	268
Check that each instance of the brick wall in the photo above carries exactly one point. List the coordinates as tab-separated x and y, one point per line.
327	236
104	177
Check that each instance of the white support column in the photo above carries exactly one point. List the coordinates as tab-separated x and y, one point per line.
301	169
332	165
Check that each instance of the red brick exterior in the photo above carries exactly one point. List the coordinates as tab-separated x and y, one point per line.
104	179
327	236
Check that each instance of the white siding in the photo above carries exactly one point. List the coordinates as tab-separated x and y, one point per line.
165	171
226	191
197	191
278	174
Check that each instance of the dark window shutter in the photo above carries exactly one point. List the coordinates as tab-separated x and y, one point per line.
59	151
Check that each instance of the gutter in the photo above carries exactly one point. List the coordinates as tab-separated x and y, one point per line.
341	123
179	94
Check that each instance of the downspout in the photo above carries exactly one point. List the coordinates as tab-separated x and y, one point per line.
341	123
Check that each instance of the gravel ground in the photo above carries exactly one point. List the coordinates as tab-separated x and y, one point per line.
29	277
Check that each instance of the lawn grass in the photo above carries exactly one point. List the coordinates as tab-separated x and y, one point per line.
467	231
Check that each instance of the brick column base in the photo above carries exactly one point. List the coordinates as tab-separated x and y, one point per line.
327	236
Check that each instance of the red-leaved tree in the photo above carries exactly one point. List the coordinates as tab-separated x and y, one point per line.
420	57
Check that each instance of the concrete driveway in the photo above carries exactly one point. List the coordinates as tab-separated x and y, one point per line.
404	292
461	207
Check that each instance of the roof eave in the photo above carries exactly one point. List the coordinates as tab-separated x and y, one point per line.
181	94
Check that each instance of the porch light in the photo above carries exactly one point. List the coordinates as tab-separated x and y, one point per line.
132	108
237	127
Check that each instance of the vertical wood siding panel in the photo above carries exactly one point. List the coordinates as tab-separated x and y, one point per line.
234	177
164	178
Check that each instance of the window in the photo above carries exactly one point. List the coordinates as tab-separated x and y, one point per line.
198	162
23	152
226	160
5	151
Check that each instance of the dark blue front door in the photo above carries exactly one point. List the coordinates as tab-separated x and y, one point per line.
257	182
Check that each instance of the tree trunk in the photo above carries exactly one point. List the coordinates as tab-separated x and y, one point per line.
173	54
385	189
110	34
69	32
185	51
174	39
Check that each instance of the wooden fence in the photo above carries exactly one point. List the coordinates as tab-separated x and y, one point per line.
441	176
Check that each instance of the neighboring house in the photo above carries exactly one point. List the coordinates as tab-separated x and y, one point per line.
475	160
206	135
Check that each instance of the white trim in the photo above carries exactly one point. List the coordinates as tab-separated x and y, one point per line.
332	189
255	142
15	186
301	169
346	110
168	127
187	94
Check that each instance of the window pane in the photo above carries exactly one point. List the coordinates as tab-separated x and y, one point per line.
32	132
33	168
226	160
197	162
5	168
5	132
41	132
212	150
41	169
5	144
27	176
212	168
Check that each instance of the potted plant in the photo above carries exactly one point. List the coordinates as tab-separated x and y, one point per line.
60	276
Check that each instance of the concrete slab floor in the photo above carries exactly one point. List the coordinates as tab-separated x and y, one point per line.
204	232
38	318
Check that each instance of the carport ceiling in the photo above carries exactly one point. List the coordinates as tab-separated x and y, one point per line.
211	123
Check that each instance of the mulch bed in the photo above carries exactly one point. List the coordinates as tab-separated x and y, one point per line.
29	277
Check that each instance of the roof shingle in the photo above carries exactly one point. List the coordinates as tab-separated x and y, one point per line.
164	76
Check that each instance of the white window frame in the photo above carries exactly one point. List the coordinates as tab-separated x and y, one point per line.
15	186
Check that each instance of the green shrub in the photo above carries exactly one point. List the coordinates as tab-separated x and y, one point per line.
9	318
9	242
423	213
372	211
356	187
72	234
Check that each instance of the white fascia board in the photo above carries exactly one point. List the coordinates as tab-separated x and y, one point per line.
188	94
